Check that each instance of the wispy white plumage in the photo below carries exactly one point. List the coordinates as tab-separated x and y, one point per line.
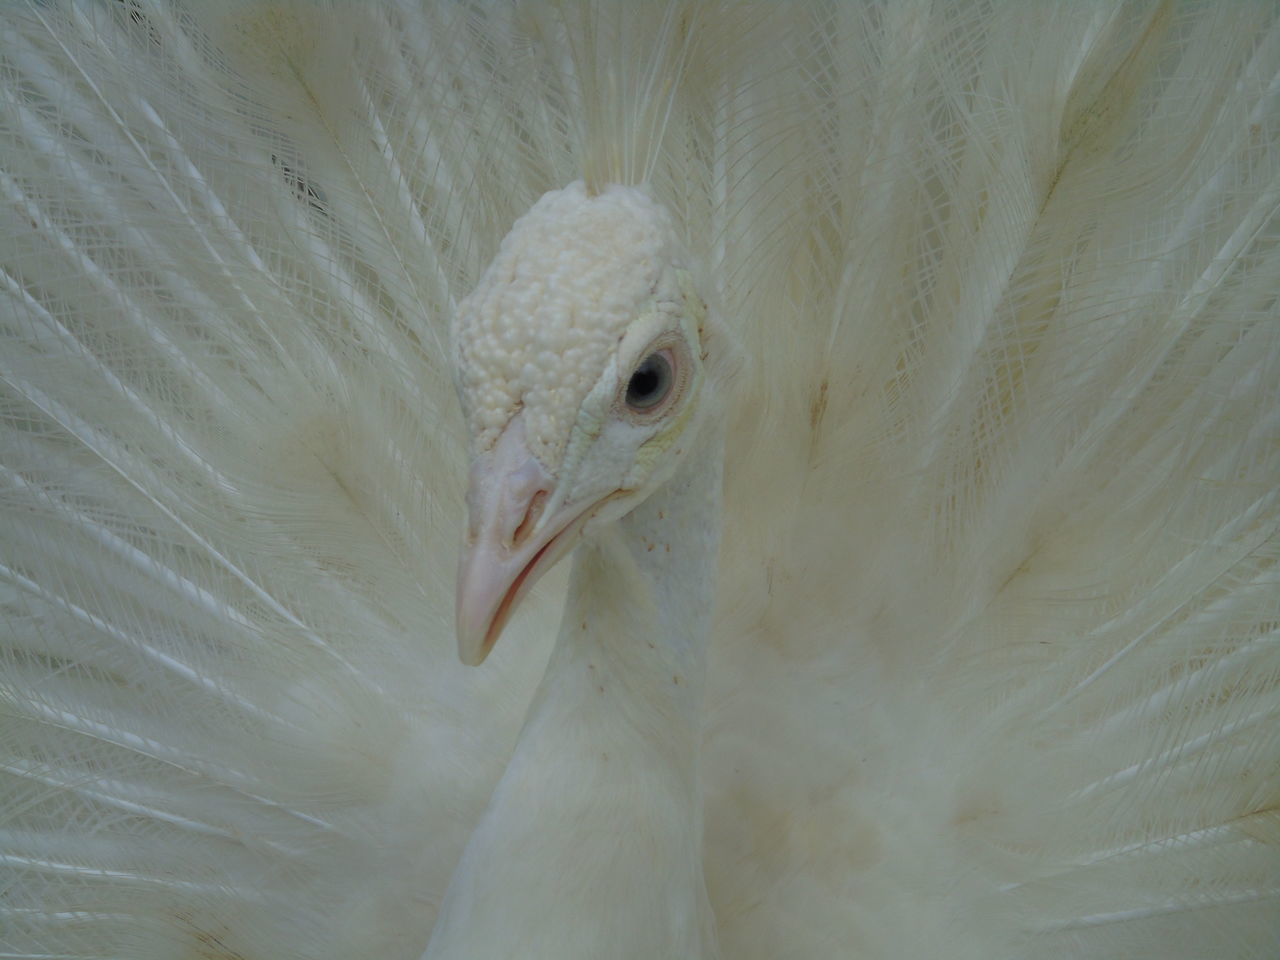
993	670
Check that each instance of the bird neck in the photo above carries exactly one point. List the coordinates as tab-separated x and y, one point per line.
592	842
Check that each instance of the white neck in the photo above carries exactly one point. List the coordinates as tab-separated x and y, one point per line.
592	843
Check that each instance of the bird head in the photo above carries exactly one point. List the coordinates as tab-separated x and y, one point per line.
580	355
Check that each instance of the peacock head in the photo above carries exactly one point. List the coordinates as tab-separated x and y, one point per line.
581	356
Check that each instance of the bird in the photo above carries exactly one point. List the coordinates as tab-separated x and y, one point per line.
589	479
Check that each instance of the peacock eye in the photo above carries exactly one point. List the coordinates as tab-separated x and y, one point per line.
651	382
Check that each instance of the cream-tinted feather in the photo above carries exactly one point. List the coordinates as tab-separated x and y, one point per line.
994	670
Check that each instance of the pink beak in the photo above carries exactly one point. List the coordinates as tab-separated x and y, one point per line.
510	542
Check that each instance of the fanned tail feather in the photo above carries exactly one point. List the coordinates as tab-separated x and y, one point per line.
1041	389
230	479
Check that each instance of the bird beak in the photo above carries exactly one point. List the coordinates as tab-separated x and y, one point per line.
510	542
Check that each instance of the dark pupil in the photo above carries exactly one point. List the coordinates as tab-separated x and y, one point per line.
650	383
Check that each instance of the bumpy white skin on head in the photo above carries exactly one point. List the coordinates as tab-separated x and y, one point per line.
568	280
589	300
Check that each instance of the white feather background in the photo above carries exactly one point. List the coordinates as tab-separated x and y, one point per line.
996	664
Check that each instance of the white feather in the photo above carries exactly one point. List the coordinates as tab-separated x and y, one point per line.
995	669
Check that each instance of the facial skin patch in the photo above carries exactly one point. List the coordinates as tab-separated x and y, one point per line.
568	279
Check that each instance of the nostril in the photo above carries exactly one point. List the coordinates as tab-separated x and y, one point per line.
531	518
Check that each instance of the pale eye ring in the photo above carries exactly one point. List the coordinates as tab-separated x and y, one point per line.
651	382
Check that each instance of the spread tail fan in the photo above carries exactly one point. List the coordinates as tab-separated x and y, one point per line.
995	666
